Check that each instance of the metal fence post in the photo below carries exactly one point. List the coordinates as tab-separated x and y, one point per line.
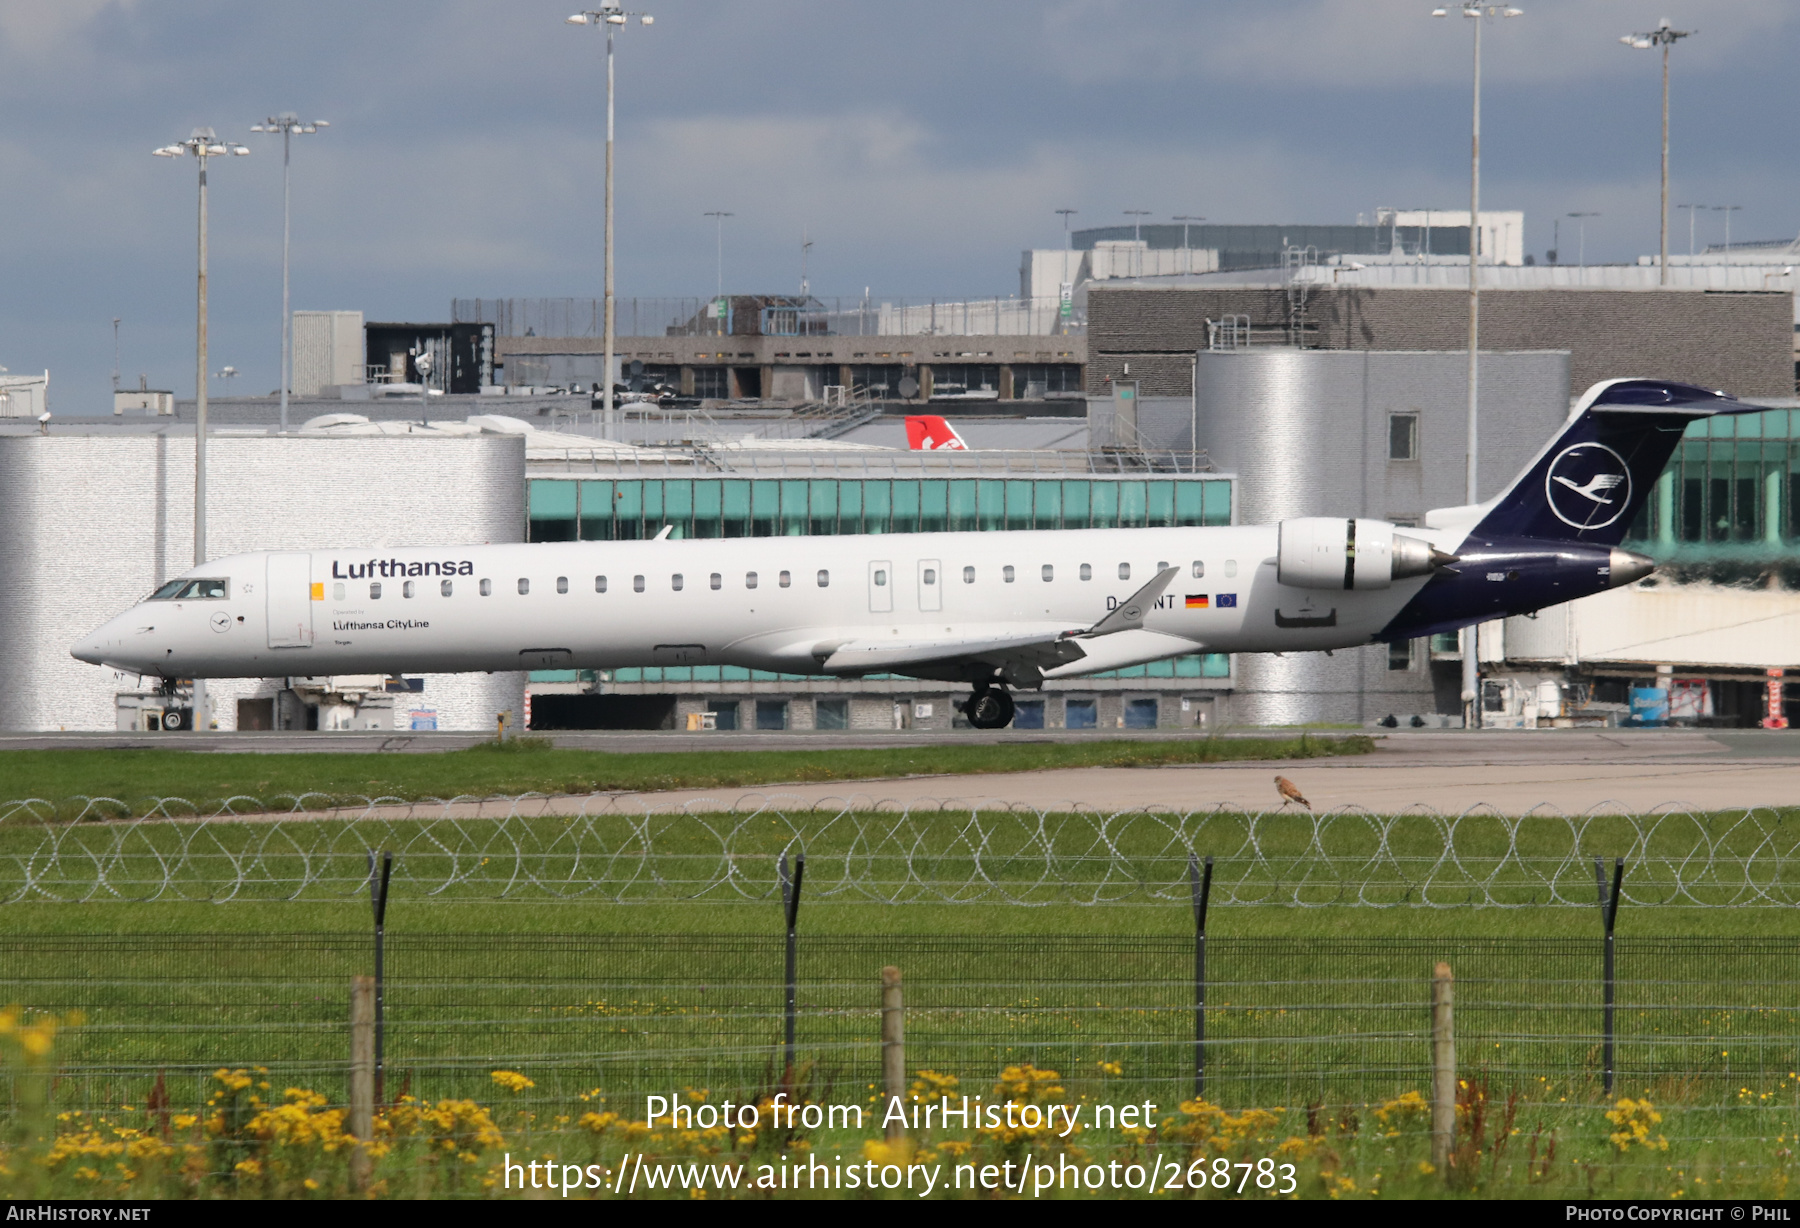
378	898
1609	911
1443	1070
1201	887
790	898
893	1049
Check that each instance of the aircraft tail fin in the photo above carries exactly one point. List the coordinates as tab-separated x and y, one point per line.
930	433
1590	481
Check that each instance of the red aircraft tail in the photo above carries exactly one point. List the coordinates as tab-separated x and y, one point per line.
930	433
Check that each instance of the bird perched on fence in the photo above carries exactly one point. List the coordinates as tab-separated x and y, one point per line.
1289	792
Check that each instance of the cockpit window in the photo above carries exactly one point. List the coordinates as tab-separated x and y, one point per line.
191	590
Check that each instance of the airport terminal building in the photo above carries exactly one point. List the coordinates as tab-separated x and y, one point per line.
1184	401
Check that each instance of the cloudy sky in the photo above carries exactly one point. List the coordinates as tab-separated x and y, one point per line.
921	145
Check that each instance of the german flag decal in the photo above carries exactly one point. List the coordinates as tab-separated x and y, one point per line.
1198	601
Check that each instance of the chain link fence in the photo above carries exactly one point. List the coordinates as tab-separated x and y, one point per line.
1288	1022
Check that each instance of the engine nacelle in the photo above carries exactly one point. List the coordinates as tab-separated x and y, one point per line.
1322	552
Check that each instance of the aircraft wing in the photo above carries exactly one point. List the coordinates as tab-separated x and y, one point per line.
1024	656
1021	659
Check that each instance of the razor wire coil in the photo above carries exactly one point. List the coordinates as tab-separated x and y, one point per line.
602	847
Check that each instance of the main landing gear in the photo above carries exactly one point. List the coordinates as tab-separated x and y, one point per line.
990	707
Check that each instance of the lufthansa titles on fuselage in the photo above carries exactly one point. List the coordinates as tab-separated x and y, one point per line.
392	624
395	568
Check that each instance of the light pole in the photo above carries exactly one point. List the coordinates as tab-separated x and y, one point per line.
1690	209
1727	210
1471	657
1184	219
1137	217
1664	36
719	216
612	16
115	353
203	144
1068	239
1581	239
287	123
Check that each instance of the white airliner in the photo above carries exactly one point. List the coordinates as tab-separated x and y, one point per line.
994	610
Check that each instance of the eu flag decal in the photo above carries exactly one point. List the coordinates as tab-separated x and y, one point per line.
1198	601
1228	601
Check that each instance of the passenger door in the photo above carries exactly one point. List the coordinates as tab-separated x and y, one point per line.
289	594
881	587
931	584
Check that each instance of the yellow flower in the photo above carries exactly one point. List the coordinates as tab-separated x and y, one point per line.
876	1151
512	1080
1634	1119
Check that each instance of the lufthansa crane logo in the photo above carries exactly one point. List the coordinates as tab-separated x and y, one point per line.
1588	486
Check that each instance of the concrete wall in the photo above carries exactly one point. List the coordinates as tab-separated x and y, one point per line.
1741	342
1306	431
92	523
1660	623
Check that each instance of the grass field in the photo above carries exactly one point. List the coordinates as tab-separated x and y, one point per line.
134	777
1315	1016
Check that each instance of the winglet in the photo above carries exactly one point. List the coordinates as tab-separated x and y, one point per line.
663	534
1128	615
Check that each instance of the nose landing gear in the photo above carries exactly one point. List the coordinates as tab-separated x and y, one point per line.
990	707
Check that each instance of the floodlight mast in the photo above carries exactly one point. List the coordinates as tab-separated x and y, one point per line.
1664	36
287	123
1471	636
202	144
612	16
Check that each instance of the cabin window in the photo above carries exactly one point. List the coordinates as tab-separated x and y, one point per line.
524	586
1049	573
1199	570
487	588
637	584
1162	565
445	588
337	592
675	581
406	589
931	575
750	579
1006	573
824	578
375	590
1231	567
718	581
1087	572
785	579
1124	571
562	584
968	575
599	584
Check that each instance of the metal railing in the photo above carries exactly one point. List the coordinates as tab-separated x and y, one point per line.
854	317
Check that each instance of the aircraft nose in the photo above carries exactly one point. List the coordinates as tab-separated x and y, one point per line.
103	646
89	648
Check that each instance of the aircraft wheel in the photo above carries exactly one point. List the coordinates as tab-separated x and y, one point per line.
989	708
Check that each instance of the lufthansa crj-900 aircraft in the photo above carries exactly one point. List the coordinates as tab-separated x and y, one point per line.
994	610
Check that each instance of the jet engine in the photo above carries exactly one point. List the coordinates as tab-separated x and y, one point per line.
1321	552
